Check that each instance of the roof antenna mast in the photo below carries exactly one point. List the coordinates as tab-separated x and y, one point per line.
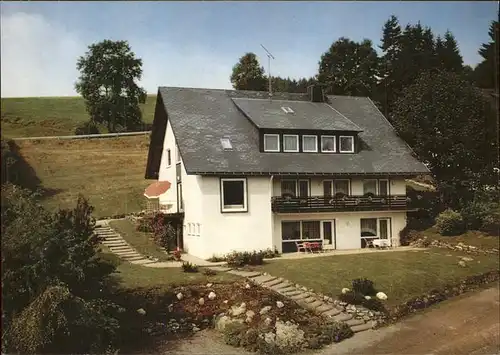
269	56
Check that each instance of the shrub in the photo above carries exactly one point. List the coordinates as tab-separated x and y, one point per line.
237	259
209	272
177	255
336	332
408	235
145	224
491	222
88	127
233	333
363	286
450	222
474	214
215	259
374	305
270	253
188	267
352	297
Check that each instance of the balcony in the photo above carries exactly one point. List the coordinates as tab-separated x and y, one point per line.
291	204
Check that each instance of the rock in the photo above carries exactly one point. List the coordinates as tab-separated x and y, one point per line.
381	296
345	290
265	273
268	321
472	247
209	285
330	299
211	295
343	304
196	329
141	311
466	258
247	286
462	263
180	296
250	314
280	304
304	288
226	301
288	335
170	308
366	318
326	298
368	298
265	309
238	310
201	301
297	285
222	322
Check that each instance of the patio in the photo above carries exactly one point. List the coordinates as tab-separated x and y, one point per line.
331	252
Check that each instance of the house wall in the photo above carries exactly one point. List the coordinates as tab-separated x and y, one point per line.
347	225
240	231
397	186
167	173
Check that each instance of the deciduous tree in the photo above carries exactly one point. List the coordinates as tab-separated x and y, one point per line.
248	74
109	72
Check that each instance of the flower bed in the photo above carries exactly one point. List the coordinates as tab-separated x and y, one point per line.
425	242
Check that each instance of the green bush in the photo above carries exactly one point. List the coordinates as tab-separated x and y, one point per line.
450	222
233	333
188	267
374	305
363	286
474	214
336	332
351	297
491	222
238	259
86	128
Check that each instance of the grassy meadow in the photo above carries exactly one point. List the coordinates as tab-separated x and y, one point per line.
51	116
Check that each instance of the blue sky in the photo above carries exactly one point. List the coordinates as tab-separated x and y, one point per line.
196	43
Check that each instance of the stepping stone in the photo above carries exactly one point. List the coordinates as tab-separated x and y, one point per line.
353	322
113	238
342	317
283	285
263	278
252	274
142	261
115	244
310	299
121	247
315	304
361	327
300	296
290	292
272	283
133	258
325	307
220	268
128	253
332	312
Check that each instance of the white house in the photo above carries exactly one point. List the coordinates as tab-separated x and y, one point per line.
251	173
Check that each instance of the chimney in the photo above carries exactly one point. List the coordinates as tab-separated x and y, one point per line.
315	93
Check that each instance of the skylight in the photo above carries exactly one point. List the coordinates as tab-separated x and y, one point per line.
226	144
287	109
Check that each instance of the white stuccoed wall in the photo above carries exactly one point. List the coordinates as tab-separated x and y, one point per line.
167	173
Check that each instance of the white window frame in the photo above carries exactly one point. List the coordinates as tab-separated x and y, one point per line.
296	140
169	158
348	186
245	196
340	145
334	145
271	135
376	186
177	154
315	141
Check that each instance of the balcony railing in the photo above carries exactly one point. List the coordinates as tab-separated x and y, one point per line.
288	204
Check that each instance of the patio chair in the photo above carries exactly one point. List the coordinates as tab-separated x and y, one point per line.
300	246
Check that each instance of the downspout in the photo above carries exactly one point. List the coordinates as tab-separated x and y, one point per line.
272	215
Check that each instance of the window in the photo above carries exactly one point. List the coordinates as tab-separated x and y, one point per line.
290	143
290	230
368	227
287	109
169	158
303	188
180	202
328	144
311	230
226	144
346	144
341	186
271	142
309	144
234	195
288	188
370	187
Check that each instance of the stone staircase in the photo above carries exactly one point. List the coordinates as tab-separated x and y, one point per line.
120	247
324	307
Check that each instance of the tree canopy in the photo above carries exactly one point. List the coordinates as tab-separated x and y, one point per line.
450	124
486	74
349	68
248	74
109	72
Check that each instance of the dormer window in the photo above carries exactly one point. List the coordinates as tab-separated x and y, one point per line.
271	142
290	143
226	144
328	144
346	144
309	144
287	109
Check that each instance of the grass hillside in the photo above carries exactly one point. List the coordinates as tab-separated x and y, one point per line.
109	172
51	116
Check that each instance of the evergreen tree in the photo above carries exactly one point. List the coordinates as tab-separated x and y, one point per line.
248	74
486	74
448	55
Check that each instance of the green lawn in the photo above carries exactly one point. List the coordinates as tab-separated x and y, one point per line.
51	116
474	238
109	172
139	240
401	275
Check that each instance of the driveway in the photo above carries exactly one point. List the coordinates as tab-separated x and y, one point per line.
467	325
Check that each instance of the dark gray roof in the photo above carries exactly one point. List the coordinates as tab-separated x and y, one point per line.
201	117
306	115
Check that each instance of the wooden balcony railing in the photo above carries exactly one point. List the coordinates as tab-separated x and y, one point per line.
288	204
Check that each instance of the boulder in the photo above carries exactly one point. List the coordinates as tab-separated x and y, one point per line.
180	296
345	290
201	301
141	311
211	295
221	322
280	304
265	309
209	285
381	296
462	263
236	311
250	314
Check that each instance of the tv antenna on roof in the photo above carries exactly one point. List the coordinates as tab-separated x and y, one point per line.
269	56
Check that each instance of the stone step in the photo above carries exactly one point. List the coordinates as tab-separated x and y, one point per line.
114	239
125	253
125	246
291	293
323	308
142	261
361	327
272	283
244	273
342	317
332	312
353	322
315	304
220	268
114	244
299	297
283	285
263	278
133	258
309	299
